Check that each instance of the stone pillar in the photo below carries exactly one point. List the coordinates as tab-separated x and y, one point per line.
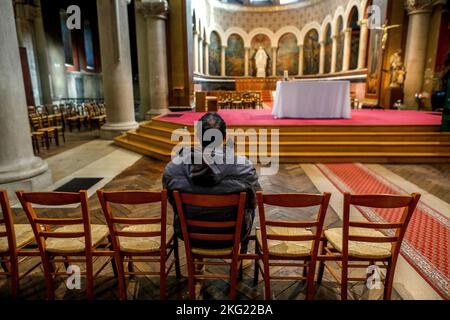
200	55
334	54
274	61
301	62
322	58
19	168
416	47
223	71
116	65
206	58
347	49
247	62
363	38
155	15
195	51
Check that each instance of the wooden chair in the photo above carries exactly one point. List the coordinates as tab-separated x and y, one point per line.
195	255
74	240
13	238
149	238
291	240
362	242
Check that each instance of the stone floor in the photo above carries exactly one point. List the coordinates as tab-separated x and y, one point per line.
146	173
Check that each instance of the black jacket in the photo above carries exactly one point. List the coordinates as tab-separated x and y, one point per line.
202	178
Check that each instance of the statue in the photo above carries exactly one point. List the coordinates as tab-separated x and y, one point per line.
261	62
397	70
385	28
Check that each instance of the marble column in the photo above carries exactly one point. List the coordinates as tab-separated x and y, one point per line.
301	62
322	58
334	54
247	62
274	61
155	15
223	71
363	38
195	51
116	66
206	58
19	168
347	49
416	48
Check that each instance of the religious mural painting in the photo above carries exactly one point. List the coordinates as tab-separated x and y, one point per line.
340	45
328	49
311	55
356	31
214	54
235	56
375	54
287	54
260	40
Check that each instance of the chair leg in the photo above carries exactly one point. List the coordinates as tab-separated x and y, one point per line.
266	275
176	254
344	279
322	263
14	278
48	271
89	278
121	277
310	283
388	282
233	278
162	277
256	266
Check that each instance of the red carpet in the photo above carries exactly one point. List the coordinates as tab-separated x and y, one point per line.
359	117
427	239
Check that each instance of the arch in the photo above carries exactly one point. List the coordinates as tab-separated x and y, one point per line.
339	13
328	20
313	25
239	31
265	31
288	29
220	32
350	6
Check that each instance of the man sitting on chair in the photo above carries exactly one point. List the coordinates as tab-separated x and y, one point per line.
212	168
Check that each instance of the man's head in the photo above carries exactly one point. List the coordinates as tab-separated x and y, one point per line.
211	121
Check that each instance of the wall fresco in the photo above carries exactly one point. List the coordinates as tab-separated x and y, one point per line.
287	54
214	54
311	55
235	56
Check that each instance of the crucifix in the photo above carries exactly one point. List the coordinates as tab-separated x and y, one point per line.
386	29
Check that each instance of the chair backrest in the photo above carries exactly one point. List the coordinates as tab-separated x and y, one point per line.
42	226
6	221
134	198
212	229
394	202
294	201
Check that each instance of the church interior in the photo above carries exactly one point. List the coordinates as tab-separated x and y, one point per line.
342	107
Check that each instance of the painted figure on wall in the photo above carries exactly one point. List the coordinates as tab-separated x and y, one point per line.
287	54
340	45
375	53
260	40
356	31
235	56
328	49
214	54
311	56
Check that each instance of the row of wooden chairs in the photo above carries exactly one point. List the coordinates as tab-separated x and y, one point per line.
290	243
238	99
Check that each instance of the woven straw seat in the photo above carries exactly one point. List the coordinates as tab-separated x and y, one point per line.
144	244
212	252
360	249
286	248
76	245
24	235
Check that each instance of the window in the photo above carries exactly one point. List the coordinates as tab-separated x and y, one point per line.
69	53
88	46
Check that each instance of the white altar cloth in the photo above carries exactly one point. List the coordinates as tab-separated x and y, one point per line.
312	99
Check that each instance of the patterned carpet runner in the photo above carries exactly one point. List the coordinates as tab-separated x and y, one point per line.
426	243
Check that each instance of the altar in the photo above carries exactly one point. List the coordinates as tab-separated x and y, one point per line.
312	99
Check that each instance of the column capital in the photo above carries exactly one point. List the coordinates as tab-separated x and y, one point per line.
156	9
348	30
421	6
363	22
25	11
